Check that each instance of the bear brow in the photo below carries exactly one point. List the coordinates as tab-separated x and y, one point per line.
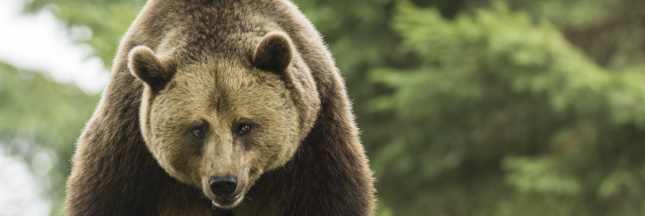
217	107
216	98
215	102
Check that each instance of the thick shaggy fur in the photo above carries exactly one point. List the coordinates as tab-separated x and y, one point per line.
114	172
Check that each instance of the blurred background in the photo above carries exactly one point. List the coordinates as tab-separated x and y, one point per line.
466	107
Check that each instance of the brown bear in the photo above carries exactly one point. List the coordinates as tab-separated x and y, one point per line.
221	107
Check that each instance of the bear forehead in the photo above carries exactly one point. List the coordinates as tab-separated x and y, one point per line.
225	28
220	72
216	79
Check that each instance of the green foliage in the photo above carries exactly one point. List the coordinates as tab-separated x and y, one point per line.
611	32
40	121
501	108
466	107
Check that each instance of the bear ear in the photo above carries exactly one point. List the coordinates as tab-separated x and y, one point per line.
144	64
273	53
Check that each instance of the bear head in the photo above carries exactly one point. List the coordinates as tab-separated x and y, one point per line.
220	123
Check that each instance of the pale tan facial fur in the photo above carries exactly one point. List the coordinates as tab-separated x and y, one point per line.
217	117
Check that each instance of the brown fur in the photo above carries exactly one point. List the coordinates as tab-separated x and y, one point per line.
218	62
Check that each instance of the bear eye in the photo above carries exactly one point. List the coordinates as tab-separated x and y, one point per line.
198	132
243	129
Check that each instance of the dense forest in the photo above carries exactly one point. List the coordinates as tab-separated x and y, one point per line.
466	107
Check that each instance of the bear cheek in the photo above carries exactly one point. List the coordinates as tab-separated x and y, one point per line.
272	157
173	165
287	147
175	159
180	166
254	174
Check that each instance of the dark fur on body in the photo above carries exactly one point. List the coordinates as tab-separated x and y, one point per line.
114	172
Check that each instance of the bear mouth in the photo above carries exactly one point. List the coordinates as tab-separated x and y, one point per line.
227	202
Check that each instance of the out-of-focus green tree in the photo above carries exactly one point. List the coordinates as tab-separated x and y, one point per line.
504	117
39	122
476	107
611	32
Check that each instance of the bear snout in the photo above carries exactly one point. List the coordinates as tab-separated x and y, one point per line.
223	186
225	191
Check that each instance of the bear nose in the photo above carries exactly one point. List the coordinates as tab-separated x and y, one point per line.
223	185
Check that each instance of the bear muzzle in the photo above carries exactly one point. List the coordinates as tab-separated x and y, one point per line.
224	191
223	186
